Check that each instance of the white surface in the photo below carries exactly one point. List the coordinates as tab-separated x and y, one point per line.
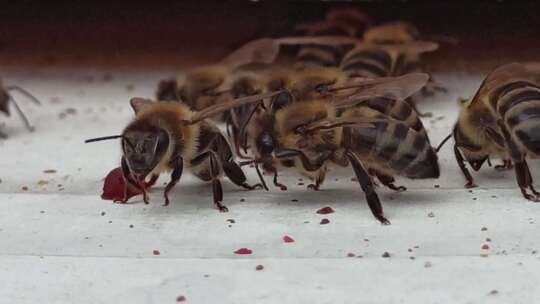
57	247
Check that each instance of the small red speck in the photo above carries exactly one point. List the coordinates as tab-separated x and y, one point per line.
437	186
181	299
156	252
351	255
259	267
325	210
24	188
325	221
386	254
243	251
485	246
288	239
232	221
49	171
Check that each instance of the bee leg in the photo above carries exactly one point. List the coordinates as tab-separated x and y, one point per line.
318	180
222	149
367	186
216	184
214	171
281	186
237	176
152	181
530	181
261	178
459	158
388	181
127	175
506	165
523	175
178	165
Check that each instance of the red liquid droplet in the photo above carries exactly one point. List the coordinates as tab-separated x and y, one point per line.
243	251
288	239
325	210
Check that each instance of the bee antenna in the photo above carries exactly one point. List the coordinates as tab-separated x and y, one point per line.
443	142
102	138
21	114
24	92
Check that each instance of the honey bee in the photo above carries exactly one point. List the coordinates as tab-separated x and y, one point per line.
6	98
208	85
309	135
392	33
501	121
374	60
339	22
199	87
369	60
170	136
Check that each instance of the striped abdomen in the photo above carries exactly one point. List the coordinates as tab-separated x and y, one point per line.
518	104
367	63
393	147
398	110
318	56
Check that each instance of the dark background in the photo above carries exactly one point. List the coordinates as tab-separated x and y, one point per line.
170	34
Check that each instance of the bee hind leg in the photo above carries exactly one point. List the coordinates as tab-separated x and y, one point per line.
367	186
523	174
388	181
237	176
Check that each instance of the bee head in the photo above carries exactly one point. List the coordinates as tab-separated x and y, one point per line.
474	154
144	149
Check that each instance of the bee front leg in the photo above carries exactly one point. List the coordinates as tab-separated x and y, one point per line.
178	167
461	163
127	175
318	180
367	186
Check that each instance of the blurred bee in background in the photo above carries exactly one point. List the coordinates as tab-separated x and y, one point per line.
502	120
170	136
6	98
309	135
206	85
368	60
339	22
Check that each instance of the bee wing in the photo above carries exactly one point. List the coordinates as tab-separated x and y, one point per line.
415	47
326	25
326	124
318	40
506	73
262	50
138	104
395	87
230	104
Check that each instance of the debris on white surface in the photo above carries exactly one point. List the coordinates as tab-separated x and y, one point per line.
61	243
